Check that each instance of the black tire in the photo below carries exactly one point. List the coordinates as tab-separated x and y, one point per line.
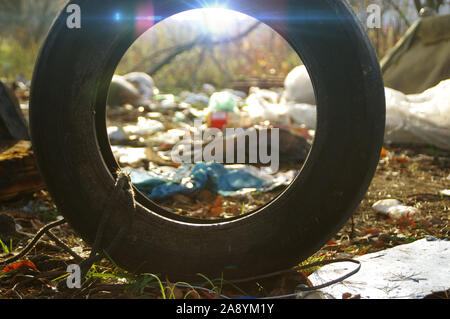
67	118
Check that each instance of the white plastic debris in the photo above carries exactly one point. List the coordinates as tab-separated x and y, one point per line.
262	106
129	155
208	89
394	209
196	100
167	101
419	118
414	119
303	114
239	95
144	127
445	192
143	82
410	271
298	87
171	136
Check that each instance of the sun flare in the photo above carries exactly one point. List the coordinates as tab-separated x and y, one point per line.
215	20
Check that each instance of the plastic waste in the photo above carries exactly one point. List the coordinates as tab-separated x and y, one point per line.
298	87
236	94
166	101
410	271
143	82
222	101
131	156
419	118
223	111
199	100
208	89
227	181
413	119
144	127
394	209
262	106
170	137
179	117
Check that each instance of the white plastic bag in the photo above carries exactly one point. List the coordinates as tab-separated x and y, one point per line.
419	118
262	105
298	87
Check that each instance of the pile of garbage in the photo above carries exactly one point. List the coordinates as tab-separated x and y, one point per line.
421	119
148	128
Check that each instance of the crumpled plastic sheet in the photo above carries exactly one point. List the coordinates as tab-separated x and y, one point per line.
413	119
410	271
419	118
228	181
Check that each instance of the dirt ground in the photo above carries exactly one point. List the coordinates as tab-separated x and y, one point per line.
413	175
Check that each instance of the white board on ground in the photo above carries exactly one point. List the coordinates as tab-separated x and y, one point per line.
409	271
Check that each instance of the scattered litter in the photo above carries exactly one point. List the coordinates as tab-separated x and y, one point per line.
166	102
394	209
144	127
410	271
222	111
126	135
198	100
208	89
445	192
226	181
222	101
170	137
21	264
298	87
415	119
138	156
262	106
419	118
143	82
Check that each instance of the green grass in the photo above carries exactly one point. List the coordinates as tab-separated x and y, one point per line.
6	250
313	259
137	283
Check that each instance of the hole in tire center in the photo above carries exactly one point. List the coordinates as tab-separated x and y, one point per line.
212	113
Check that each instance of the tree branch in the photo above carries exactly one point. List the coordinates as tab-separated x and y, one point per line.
400	12
178	50
204	40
